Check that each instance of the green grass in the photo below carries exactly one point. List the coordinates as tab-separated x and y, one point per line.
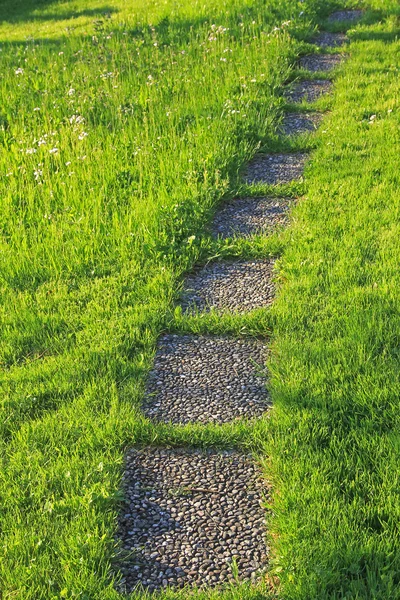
95	238
335	444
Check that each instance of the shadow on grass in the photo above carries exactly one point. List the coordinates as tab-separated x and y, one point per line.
25	10
376	36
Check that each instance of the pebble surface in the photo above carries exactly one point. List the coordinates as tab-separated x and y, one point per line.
345	15
250	216
330	40
320	62
188	516
276	168
308	90
230	286
297	123
201	379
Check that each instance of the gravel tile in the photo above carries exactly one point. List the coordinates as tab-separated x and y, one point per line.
239	286
297	123
276	168
250	216
188	515
202	379
320	62
330	40
308	90
345	15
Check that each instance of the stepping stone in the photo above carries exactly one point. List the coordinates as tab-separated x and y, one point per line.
320	62
239	286
331	40
276	168
297	123
201	379
308	90
345	15
188	515
250	216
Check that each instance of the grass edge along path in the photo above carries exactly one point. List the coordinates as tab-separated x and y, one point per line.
335	363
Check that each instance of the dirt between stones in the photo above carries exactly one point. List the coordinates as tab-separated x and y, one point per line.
188	517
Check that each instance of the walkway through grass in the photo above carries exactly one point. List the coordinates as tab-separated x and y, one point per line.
96	230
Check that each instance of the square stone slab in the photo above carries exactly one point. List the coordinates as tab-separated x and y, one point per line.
298	123
308	90
274	169
320	62
345	15
330	40
201	379
238	286
188	516
250	216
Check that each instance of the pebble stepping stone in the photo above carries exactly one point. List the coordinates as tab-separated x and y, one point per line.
250	216
331	40
320	62
345	15
308	90
297	123
188	515
201	379
274	169
239	286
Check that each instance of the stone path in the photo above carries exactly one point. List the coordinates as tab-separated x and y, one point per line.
192	517
308	90
330	40
200	379
275	169
250	216
297	123
320	62
189	516
345	15
238	286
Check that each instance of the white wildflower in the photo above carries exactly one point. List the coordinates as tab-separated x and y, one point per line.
78	119
19	71
53	151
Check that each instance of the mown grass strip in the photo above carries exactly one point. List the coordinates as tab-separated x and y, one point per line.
335	360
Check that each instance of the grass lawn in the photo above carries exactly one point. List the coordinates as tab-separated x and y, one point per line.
123	124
